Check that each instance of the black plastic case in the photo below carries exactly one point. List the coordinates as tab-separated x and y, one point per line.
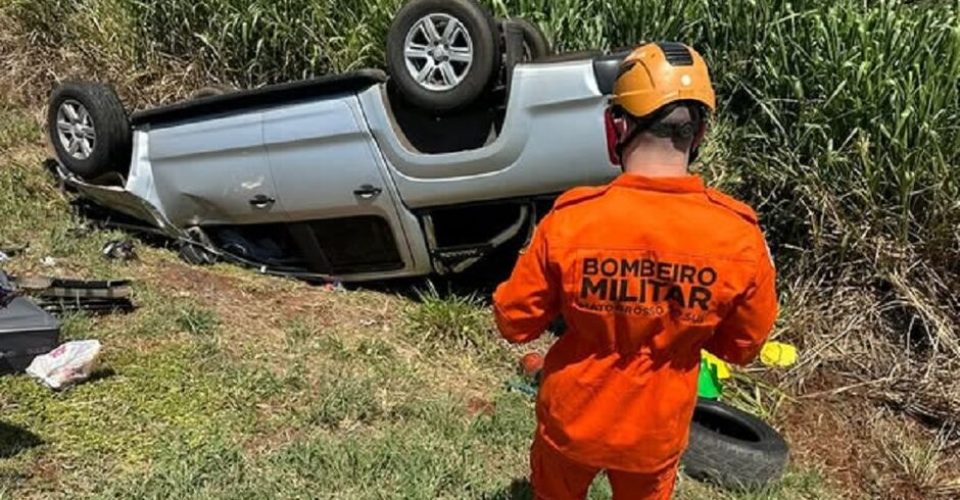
26	331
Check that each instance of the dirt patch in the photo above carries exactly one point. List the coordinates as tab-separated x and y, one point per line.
862	449
482	406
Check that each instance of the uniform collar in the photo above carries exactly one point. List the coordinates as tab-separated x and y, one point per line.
685	184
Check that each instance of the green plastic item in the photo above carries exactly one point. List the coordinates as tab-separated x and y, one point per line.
708	385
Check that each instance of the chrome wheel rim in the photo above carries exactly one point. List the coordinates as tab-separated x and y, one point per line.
438	52
75	129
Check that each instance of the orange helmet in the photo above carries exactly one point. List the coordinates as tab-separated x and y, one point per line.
653	79
658	74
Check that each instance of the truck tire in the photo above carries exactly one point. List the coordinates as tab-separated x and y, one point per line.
443	54
733	449
535	44
88	129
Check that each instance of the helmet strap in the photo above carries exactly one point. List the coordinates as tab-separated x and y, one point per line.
637	125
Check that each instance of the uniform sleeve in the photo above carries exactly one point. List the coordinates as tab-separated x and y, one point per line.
525	304
742	333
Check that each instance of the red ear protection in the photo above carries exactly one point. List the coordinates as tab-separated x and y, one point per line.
615	127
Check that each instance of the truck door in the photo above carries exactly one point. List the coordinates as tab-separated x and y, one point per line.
336	196
214	172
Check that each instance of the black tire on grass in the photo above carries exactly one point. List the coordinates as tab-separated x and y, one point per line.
733	449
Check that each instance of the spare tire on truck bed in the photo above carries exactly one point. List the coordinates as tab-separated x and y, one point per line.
88	129
733	449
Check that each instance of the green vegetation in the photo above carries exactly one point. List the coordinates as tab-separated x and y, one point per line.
450	324
838	121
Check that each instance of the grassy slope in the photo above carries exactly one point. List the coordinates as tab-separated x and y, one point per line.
231	385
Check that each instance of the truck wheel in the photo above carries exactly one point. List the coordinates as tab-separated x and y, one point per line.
535	44
733	449
443	54
88	129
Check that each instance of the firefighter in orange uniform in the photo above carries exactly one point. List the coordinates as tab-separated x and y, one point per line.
645	271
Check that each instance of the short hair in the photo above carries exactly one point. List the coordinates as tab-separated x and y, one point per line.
679	122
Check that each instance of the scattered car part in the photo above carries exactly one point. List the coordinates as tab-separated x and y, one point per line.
26	331
733	449
59	296
88	129
9	252
443	53
194	254
8	291
119	250
194	250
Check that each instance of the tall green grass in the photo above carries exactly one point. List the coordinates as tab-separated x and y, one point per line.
840	117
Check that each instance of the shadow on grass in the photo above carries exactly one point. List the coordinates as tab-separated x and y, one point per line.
100	374
15	439
480	280
519	489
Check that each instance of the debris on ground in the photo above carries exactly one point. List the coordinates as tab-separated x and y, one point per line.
122	250
81	230
26	330
7	290
530	364
58	296
715	363
9	252
778	354
531	368
66	365
48	261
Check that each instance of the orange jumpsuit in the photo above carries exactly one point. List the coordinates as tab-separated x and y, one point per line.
646	272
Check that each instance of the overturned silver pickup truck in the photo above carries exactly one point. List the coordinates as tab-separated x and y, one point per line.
356	176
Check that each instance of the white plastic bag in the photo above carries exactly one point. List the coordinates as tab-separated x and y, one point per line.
67	364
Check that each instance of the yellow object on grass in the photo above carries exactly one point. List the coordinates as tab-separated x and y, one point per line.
723	371
778	354
773	354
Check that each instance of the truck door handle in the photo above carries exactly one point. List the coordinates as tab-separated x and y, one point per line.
262	201
368	191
